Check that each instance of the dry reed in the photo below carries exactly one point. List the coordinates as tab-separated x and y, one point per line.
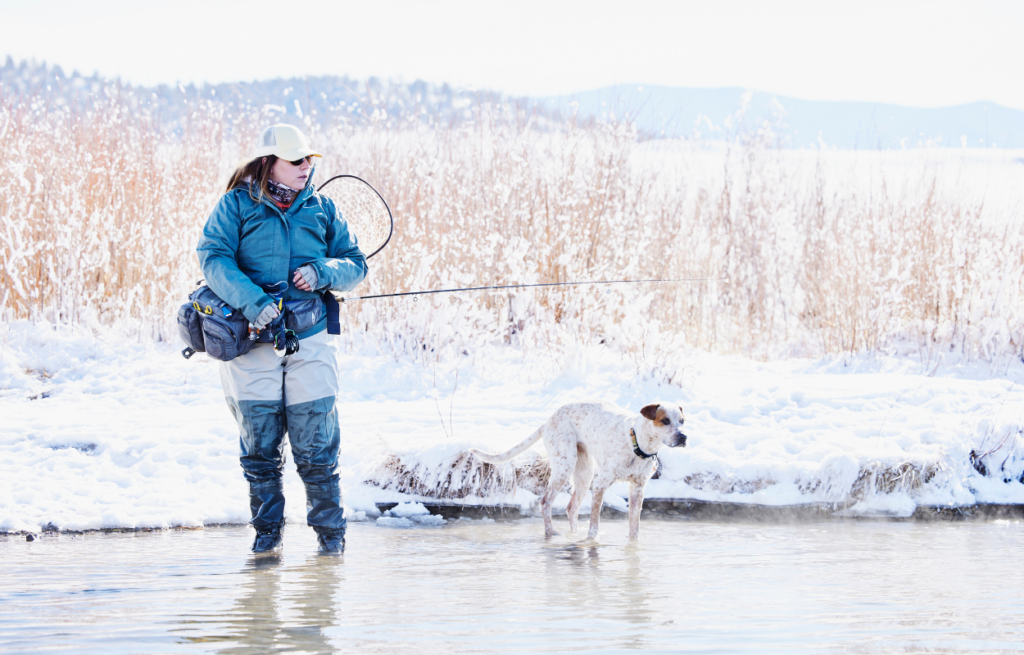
727	485
464	475
100	210
461	476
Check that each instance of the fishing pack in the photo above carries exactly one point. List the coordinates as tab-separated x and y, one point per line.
209	325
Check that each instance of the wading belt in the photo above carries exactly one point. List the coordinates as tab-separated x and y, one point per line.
333	313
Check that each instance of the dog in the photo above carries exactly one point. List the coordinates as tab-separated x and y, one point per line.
600	443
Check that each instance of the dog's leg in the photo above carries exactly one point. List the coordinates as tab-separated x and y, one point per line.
560	442
573	511
558	479
581	479
636	503
600	486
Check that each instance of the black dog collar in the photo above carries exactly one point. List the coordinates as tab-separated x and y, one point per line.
636	446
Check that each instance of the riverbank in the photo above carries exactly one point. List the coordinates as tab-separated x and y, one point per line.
654	509
104	431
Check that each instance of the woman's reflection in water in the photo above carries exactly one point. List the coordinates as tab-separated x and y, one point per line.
286	608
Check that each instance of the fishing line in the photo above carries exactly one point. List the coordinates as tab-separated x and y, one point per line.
528	286
370	219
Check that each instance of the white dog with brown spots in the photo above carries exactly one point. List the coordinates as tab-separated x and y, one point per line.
600	443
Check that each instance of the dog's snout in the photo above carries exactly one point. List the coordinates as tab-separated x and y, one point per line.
680	440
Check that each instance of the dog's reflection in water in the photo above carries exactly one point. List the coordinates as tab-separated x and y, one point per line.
257	623
582	555
587	574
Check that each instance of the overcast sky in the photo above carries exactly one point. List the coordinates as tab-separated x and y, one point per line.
919	53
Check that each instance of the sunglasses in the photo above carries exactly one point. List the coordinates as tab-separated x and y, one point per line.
298	162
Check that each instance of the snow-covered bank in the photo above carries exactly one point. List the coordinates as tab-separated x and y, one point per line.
102	431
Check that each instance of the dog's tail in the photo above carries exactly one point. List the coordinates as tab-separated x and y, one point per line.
509	454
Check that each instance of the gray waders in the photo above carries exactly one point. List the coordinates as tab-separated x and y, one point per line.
269	396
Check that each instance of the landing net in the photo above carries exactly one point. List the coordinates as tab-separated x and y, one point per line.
368	216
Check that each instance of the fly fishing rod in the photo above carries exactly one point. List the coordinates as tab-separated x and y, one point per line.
370	219
527	286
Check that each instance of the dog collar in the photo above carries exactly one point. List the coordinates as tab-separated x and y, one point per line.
636	447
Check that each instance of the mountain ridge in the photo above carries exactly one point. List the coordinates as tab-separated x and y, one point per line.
682	112
698	114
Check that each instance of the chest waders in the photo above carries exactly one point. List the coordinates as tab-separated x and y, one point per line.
285	381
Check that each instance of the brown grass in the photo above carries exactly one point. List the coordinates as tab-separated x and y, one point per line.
905	477
878	478
100	211
724	485
463	476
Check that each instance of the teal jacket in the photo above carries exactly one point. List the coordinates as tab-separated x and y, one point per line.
246	245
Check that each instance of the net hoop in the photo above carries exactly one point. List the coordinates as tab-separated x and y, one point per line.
357	222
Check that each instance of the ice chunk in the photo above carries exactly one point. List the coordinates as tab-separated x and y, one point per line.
406	510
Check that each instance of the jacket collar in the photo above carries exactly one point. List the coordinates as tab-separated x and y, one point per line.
302	196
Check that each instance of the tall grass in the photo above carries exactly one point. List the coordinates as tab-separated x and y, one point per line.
100	210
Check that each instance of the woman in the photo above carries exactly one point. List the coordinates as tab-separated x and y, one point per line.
272	231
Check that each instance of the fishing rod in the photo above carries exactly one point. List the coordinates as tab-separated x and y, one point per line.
526	286
369	216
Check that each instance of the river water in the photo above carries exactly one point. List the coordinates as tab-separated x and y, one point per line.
476	586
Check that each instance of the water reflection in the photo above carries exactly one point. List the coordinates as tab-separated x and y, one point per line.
315	598
578	554
285	608
603	582
486	587
254	620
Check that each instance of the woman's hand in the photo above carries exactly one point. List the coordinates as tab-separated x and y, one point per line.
269	313
305	278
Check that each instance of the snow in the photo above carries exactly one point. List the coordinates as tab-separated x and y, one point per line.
408	515
104	430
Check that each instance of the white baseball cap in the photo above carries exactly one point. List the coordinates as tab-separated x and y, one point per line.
284	141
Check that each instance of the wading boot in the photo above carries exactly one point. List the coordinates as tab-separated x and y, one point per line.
268	539
332	541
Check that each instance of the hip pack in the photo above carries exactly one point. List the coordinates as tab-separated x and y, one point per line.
208	324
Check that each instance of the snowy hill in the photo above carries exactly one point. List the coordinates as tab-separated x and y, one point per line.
705	113
292	100
657	111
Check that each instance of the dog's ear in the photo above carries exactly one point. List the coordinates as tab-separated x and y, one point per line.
649	412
